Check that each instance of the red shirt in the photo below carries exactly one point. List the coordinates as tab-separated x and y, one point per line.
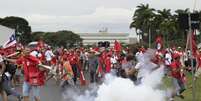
107	64
104	55
54	61
65	56
29	64
73	59
42	58
175	69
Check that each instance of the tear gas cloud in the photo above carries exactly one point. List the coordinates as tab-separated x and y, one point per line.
120	89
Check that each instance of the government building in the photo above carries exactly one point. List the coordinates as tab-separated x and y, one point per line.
94	38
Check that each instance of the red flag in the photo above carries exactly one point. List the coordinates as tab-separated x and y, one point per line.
192	41
82	77
8	51
9	47
194	46
117	46
159	43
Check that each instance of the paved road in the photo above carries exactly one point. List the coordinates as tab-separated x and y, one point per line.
52	92
49	92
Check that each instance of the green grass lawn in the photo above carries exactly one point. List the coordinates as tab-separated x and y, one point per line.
188	92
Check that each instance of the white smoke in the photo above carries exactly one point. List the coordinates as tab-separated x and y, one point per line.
120	89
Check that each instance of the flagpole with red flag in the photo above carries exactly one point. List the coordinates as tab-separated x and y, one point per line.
9	48
192	48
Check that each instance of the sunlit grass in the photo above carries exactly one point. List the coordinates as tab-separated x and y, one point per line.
188	92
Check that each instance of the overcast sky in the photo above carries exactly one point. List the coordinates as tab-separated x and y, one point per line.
83	15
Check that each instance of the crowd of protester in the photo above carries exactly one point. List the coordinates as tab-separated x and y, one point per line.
82	66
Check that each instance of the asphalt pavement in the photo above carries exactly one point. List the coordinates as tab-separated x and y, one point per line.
49	92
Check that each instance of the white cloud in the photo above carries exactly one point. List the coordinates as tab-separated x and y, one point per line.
101	15
83	15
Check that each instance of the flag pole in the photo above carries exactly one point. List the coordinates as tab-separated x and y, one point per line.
192	64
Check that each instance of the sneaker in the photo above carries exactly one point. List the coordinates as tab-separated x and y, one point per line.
181	96
182	90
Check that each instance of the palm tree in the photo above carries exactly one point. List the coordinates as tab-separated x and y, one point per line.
141	19
182	11
165	13
167	23
180	32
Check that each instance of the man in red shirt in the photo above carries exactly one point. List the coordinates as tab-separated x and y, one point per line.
73	58
33	75
108	63
178	82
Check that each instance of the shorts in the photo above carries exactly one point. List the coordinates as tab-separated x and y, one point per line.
198	72
27	90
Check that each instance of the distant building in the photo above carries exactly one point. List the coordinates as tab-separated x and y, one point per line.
94	38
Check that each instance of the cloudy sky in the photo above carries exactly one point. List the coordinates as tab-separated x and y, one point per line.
83	15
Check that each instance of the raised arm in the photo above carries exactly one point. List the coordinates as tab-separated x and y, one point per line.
11	60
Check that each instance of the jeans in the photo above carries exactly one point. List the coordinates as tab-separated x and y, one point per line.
178	85
8	88
27	90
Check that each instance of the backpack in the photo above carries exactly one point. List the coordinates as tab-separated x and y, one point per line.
10	68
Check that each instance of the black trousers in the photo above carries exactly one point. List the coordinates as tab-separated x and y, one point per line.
74	67
92	76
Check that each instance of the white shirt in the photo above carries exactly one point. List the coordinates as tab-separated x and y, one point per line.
168	59
113	59
36	54
48	55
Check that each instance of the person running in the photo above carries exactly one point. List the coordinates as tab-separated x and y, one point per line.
177	79
33	75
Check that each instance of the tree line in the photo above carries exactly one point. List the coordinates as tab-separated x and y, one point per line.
63	38
25	35
149	21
